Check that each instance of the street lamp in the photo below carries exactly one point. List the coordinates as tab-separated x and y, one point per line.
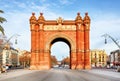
15	35
115	41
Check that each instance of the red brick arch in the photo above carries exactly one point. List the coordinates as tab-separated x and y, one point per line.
73	32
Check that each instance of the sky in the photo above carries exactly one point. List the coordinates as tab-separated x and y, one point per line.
104	14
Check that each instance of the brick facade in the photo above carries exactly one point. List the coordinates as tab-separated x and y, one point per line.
73	32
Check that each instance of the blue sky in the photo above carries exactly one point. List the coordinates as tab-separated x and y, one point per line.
104	14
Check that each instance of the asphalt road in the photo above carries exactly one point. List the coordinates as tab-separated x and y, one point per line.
58	75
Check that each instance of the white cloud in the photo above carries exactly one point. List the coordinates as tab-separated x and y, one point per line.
40	8
43	0
65	2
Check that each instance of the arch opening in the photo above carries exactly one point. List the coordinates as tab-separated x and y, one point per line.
60	51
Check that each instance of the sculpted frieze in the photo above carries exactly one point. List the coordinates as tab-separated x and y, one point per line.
60	27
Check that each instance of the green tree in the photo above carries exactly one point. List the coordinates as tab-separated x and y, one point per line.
54	60
66	61
1	21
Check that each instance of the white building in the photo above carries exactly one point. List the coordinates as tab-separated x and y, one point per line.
9	56
115	58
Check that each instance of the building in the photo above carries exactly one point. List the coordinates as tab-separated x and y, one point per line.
9	56
114	58
98	58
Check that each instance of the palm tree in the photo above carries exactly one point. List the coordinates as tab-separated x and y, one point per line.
1	21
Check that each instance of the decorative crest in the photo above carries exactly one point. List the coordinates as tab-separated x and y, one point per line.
59	20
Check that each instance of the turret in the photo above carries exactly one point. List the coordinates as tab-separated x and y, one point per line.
78	18
33	19
86	21
41	18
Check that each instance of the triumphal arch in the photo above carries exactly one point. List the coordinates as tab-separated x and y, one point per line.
75	33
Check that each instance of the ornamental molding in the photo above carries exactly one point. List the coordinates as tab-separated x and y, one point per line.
60	27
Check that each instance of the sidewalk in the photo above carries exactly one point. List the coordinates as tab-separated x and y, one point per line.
112	73
18	72
15	72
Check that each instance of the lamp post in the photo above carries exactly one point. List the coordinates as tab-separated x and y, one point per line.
15	35
115	41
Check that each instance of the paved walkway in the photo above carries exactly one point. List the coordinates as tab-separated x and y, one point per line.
60	75
20	72
15	73
106	72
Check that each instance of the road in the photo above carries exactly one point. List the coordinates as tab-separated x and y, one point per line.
58	75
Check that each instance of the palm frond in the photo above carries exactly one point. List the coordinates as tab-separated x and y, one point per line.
2	20
1	11
2	30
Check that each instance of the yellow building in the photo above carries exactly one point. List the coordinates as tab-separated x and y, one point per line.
98	58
